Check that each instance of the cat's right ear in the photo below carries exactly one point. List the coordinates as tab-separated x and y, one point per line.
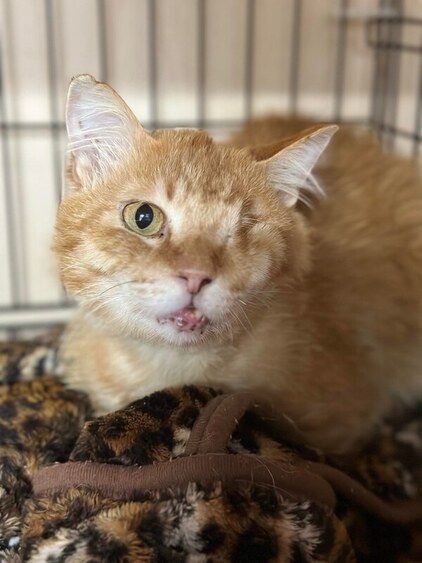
288	164
101	130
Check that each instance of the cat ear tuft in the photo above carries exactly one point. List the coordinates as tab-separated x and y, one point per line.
290	170
100	126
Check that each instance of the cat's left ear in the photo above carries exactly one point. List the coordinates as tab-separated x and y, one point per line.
102	130
290	169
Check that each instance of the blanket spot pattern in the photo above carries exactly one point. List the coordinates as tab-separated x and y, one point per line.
42	422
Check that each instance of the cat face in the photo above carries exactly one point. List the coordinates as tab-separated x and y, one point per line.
169	236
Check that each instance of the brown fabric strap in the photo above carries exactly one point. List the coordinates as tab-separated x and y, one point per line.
220	417
397	512
122	482
196	438
207	463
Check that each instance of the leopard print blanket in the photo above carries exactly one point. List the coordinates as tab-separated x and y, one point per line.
42	422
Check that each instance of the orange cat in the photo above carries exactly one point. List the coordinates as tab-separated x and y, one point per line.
195	262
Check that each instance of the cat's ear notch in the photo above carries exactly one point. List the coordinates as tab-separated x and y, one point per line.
289	169
101	129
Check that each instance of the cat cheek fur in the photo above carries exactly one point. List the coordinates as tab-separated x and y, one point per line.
98	257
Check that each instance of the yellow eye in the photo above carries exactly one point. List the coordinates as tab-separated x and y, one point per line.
144	219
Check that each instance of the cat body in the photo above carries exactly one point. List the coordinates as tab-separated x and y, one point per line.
239	286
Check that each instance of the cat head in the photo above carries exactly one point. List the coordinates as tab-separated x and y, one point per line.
169	236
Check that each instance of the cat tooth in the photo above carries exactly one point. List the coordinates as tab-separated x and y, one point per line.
180	322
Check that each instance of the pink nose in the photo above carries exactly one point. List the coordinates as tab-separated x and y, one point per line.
195	280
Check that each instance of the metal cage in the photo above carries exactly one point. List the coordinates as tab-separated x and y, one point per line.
391	37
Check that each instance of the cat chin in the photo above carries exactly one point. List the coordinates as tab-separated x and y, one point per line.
154	330
171	335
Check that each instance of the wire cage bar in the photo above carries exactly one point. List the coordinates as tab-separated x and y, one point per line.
390	36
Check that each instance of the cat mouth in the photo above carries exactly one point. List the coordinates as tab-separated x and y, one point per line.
186	319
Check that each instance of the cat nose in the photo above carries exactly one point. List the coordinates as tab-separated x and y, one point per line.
195	280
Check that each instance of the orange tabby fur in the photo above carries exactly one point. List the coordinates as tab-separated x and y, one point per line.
321	310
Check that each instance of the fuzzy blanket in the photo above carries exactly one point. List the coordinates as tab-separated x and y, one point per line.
190	474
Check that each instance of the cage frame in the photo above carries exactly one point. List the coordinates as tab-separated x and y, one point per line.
383	35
